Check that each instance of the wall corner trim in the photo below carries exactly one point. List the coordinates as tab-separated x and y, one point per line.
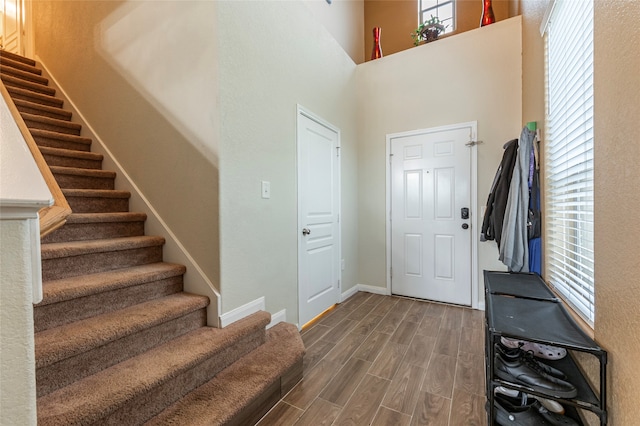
243	311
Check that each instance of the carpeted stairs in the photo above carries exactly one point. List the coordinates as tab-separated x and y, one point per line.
117	340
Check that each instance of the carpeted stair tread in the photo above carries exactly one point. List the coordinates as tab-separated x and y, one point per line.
31	96
97	200
43	110
14	57
80	286
79	178
34	121
19	63
94	226
222	399
79	248
56	344
93	398
24	75
77	171
12	81
47	137
71	158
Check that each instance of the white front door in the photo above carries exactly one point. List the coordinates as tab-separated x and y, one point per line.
318	215
430	214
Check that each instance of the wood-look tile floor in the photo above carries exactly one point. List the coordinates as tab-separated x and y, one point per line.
386	360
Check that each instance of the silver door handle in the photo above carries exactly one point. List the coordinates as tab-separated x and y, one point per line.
306	231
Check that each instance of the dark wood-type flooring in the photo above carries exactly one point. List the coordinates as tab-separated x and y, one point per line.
386	360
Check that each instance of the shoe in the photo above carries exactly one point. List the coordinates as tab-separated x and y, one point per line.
553	418
514	412
525	374
509	412
549	404
538	349
512	354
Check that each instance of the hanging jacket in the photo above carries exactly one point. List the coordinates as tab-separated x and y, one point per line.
514	245
497	201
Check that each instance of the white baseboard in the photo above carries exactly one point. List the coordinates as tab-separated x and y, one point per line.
481	306
347	294
280	316
242	312
373	289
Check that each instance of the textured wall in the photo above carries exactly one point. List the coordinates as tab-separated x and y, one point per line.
617	175
478	77
17	357
344	19
398	19
143	74
296	61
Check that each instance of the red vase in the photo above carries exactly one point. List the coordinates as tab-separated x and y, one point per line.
487	13
377	50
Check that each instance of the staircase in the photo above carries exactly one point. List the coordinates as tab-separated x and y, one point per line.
117	339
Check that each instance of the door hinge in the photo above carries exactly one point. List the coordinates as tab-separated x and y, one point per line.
337	151
338	217
390	272
338	283
390	158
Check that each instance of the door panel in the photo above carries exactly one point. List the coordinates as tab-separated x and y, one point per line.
318	213
430	181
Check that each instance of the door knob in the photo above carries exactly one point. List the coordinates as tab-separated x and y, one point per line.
465	226
306	231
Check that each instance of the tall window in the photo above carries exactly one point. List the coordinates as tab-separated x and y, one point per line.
445	10
569	252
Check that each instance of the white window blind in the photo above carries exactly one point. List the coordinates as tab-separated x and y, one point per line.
569	154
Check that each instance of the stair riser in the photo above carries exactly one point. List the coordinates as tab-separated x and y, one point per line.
64	267
83	182
95	231
81	163
58	115
64	144
65	312
98	204
67	371
11	81
69	130
143	407
25	75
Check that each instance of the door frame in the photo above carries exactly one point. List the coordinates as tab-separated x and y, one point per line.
473	188
304	112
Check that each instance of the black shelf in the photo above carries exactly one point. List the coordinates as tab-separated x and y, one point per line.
521	306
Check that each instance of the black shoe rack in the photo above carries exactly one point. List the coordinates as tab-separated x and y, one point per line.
521	306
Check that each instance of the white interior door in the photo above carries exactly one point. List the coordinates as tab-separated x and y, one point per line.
318	216
11	26
430	230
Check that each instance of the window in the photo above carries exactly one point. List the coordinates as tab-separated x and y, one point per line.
568	156
445	10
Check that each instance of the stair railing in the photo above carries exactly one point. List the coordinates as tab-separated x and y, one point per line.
53	217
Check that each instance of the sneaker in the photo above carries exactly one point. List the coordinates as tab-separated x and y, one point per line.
537	349
549	404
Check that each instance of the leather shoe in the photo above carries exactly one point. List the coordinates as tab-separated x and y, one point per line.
509	412
512	354
523	374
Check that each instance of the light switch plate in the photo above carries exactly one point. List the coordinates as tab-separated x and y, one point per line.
266	189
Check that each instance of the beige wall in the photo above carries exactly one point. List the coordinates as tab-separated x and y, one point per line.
260	85
398	19
617	234
344	19
469	83
143	74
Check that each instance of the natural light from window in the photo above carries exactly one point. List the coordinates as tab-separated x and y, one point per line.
444	10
